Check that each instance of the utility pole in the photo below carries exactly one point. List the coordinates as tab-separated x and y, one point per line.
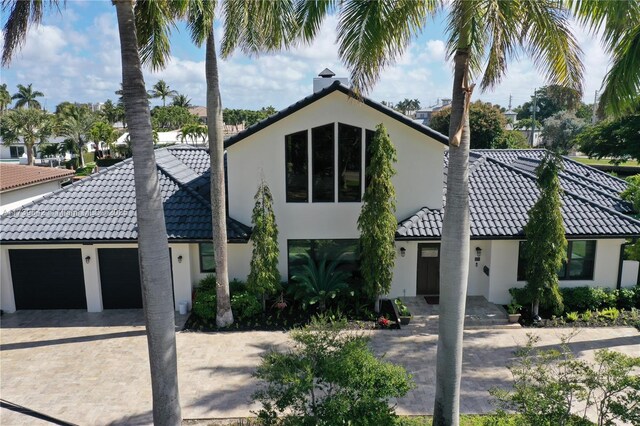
510	102
594	116
534	107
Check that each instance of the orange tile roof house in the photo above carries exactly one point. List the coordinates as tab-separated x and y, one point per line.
20	184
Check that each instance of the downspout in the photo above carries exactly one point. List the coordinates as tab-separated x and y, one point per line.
621	262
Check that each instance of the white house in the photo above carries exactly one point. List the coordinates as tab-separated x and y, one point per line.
21	184
313	156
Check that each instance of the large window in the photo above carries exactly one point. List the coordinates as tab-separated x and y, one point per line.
207	259
297	173
16	151
349	163
369	134
318	249
579	265
323	157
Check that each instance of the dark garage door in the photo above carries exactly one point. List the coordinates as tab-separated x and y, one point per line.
120	278
48	279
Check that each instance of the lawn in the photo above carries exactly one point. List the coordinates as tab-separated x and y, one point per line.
603	161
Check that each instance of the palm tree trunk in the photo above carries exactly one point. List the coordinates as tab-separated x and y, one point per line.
454	270
81	156
29	149
224	316
153	248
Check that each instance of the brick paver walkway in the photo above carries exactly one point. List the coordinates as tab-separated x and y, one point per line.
93	369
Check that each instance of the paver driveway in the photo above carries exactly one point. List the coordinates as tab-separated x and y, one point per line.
92	368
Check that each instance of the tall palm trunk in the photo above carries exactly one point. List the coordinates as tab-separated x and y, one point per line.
224	316
153	249
455	245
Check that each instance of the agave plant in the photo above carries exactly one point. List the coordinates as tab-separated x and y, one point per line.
317	283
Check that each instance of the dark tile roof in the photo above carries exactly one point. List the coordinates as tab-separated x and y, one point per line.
102	207
501	194
337	86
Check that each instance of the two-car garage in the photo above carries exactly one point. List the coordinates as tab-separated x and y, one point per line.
54	278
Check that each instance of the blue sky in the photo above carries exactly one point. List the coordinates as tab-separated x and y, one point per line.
74	56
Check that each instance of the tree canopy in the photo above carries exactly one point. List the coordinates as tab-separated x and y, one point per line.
550	100
487	124
172	117
560	130
616	139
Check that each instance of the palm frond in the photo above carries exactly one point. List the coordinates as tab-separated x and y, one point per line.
466	28
374	34
309	17
548	40
154	19
200	16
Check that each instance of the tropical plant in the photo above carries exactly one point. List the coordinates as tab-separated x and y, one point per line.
546	246
318	283
5	98
172	117
195	132
377	222
486	121
632	193
408	105
372	35
75	125
511	139
27	96
551	100
329	378
103	132
111	112
264	277
618	24
403	310
28	126
181	100
161	90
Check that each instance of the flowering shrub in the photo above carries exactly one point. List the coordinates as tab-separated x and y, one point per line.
384	322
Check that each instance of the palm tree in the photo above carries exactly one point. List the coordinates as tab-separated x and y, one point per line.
5	98
372	35
27	96
153	248
29	126
194	132
75	125
181	101
619	22
161	90
110	112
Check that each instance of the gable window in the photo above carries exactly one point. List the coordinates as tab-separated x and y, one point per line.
297	172
207	259
349	163
322	163
579	264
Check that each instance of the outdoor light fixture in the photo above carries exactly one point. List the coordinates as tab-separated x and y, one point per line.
478	253
180	259
87	259
403	251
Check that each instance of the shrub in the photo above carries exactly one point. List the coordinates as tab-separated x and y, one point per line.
204	303
520	296
551	385
609	313
582	299
629	298
318	283
328	378
572	317
586	316
245	305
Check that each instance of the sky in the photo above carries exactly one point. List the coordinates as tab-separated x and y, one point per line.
75	56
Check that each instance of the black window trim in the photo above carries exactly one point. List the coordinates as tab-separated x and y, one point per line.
286	157
360	171
334	162
289	240
567	276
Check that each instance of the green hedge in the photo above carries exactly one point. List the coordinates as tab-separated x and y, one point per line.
580	299
243	304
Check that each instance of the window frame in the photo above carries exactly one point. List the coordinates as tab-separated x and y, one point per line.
201	255
286	162
566	276
332	146
339	156
313	248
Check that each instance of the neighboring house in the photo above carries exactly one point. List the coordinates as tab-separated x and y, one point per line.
21	184
201	112
423	116
312	155
16	152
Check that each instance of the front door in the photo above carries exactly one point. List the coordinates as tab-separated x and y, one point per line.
428	280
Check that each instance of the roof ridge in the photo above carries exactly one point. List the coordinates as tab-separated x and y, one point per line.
570	193
595	170
335	86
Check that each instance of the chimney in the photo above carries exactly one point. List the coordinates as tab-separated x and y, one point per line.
326	78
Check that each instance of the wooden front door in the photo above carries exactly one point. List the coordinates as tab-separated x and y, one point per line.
428	280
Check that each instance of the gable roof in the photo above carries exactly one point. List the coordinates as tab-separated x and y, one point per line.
16	176
501	194
335	87
102	207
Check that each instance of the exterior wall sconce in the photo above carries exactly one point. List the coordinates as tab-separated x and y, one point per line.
403	251
180	259
87	259
478	254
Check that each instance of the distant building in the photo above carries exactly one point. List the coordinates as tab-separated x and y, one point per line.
423	116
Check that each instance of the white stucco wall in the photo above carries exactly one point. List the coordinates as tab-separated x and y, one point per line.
478	284
405	270
630	273
19	197
504	268
418	182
